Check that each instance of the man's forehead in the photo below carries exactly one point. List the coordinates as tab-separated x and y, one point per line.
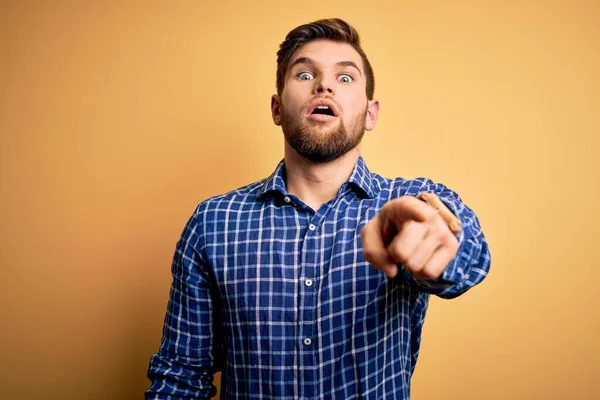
327	52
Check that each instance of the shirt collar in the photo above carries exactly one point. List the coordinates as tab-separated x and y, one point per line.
361	178
275	182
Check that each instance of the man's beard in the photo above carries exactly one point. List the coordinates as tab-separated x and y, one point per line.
319	144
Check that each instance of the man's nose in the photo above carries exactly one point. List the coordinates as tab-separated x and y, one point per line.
323	87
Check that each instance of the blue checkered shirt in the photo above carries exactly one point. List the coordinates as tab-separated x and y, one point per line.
281	300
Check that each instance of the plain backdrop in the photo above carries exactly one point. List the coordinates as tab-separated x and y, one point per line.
117	118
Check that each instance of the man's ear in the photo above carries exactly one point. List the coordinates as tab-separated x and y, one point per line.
276	109
372	114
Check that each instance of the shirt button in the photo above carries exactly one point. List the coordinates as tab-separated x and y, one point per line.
307	341
287	199
308	282
312	227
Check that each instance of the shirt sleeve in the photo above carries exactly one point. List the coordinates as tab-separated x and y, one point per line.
190	347
472	262
416	320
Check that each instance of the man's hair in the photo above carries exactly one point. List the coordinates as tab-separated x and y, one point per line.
330	29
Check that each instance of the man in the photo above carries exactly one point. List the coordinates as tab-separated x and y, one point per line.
314	282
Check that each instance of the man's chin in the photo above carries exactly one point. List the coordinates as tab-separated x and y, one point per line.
321	127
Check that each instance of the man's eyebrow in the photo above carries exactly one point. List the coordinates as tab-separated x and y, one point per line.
301	60
306	60
350	64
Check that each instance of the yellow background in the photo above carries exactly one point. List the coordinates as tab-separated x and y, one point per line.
117	119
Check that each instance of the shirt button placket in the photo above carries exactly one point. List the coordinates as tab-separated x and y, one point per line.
310	304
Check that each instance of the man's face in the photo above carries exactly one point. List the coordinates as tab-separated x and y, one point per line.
323	110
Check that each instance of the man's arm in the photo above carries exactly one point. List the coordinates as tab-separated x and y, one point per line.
472	261
409	238
184	366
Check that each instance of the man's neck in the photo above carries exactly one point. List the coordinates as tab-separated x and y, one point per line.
316	184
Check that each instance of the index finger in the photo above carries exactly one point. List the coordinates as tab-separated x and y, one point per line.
374	248
408	208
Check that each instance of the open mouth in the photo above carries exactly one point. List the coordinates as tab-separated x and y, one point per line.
323	110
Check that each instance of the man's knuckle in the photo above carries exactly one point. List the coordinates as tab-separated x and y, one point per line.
444	259
429	273
398	254
414	264
440	233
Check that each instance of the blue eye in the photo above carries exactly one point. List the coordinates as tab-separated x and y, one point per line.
345	78
305	76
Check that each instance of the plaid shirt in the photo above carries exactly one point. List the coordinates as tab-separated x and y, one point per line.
280	298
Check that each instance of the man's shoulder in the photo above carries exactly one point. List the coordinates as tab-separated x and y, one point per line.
233	199
400	186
